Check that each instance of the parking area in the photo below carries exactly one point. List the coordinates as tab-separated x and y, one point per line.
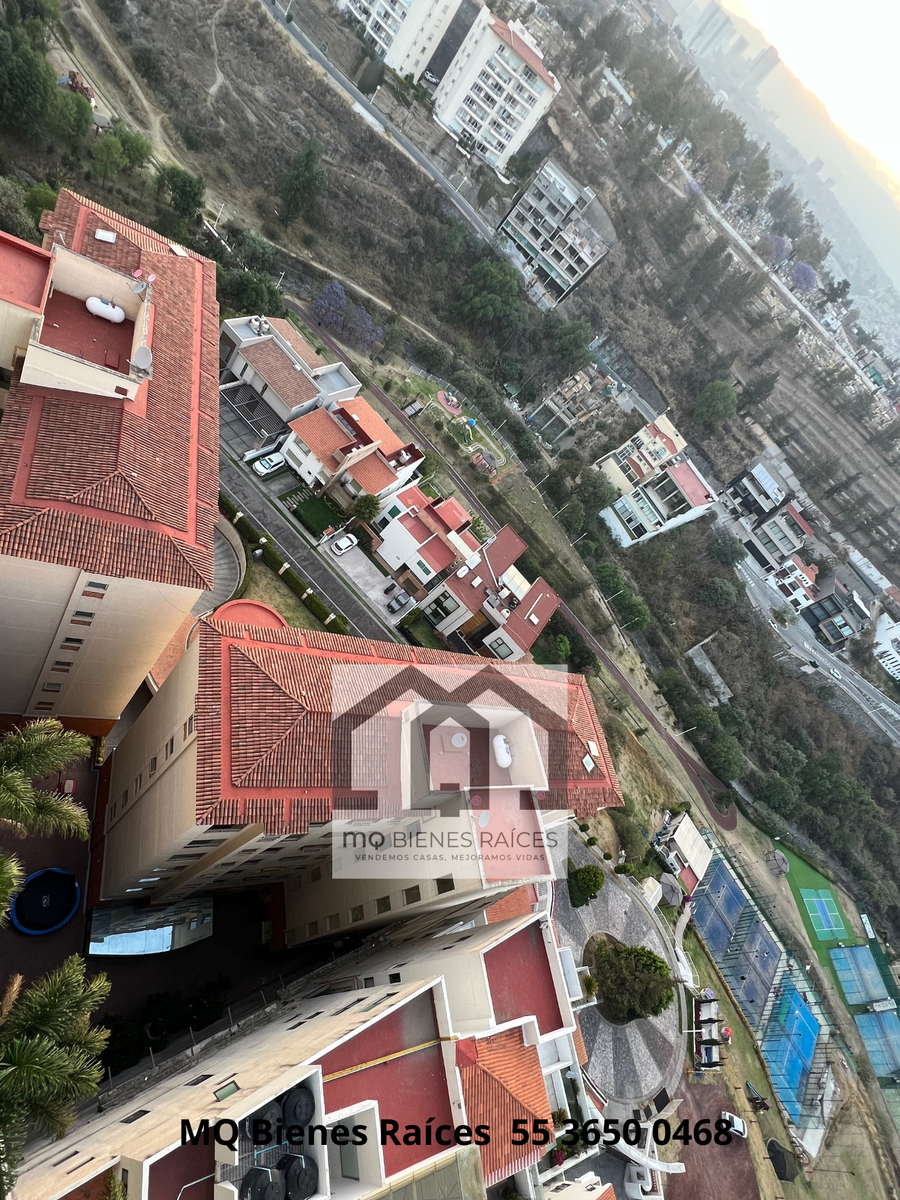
366	577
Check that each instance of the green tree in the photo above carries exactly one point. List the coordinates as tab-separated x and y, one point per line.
717	402
302	184
27	85
584	883
729	550
633	982
758	389
249	292
478	526
780	794
603	110
49	1056
724	757
677	690
490	295
186	191
135	147
69	115
718	593
109	158
702	718
632	611
366	508
568	343
39	197
14	215
254	252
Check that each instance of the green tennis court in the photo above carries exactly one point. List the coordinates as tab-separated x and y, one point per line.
824	914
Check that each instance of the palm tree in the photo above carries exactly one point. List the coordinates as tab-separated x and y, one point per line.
31	752
49	1056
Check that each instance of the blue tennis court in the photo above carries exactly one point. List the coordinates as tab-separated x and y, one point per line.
858	974
717	907
788	1046
881	1034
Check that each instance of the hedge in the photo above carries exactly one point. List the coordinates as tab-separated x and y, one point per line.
272	559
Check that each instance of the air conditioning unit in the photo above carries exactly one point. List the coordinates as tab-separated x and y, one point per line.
504	613
462	572
264	326
404	456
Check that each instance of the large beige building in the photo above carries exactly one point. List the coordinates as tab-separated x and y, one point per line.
495	90
265	736
108	459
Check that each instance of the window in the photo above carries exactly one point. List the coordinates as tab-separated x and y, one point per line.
500	648
441	608
184	857
139	783
394	977
228	1090
45	706
333	921
357	913
153	765
80	612
61	665
412	895
422	567
187	728
170	747
383	904
135	1116
312	929
52	687
125	797
445	884
315	875
198	1079
369	981
72	643
97	587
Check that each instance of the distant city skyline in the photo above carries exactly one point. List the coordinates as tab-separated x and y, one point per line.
845	56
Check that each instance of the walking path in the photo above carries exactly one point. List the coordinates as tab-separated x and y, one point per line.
630	1064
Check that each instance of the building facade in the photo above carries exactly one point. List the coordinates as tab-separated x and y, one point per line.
405	33
672	496
495	90
642	455
559	232
109	475
421	539
887	644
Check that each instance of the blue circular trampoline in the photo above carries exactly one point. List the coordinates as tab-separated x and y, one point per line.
47	901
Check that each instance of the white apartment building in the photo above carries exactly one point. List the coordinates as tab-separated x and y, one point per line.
405	33
887	644
642	455
495	90
672	496
108	459
559	232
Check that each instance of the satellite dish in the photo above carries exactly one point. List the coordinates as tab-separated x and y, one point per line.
142	358
151	278
138	286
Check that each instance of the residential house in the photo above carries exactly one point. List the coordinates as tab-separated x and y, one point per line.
405	33
796	581
348	450
108	458
837	614
642	455
269	375
685	849
559	232
887	644
488	606
672	496
768	520
234	771
576	401
495	90
421	540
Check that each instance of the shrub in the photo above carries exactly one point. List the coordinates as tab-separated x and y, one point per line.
584	827
631	839
607	855
592	841
584	883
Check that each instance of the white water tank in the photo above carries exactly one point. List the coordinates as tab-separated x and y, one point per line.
105	309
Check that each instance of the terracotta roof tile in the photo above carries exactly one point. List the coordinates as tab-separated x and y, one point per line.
524	51
373	474
278	369
361	413
295	338
323	434
502	1082
514	904
122	488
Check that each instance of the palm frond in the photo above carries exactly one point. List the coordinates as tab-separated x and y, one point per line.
40	748
59	1004
14	828
10	996
53	815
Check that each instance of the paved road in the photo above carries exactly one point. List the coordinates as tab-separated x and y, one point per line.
353	93
800	640
251	497
702	779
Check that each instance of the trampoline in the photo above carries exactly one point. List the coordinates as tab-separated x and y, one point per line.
823	913
858	974
880	1033
788	1046
48	900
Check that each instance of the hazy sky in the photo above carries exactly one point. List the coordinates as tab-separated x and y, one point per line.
847	55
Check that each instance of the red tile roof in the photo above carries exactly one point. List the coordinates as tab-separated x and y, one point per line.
323	434
804	524
541	602
295	338
663	437
438	555
513	904
279	371
581	1051
691	483
360	413
265	716
527	53
414	497
373	474
452	513
123	488
502	1082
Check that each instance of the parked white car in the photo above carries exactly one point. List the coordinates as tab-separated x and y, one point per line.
343	544
737	1126
269	465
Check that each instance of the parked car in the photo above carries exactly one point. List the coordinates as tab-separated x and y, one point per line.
428	77
836	674
269	465
737	1126
390	587
345	543
399	601
772	623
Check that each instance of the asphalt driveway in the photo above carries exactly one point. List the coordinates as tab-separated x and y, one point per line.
362	574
